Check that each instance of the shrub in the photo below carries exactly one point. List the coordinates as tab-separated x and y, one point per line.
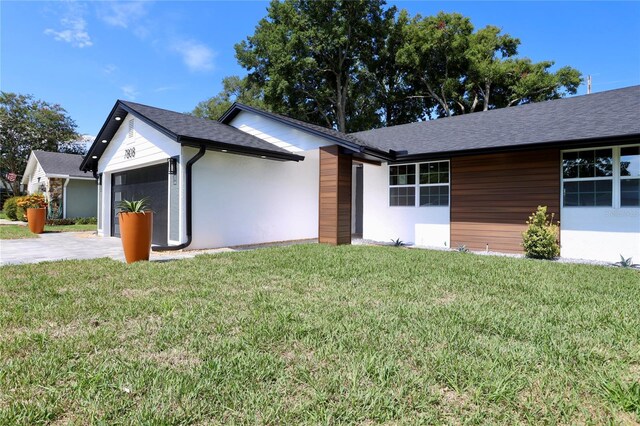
540	240
34	201
60	222
86	221
10	208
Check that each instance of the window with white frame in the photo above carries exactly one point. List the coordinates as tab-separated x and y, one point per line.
587	178
434	183
603	177
402	181
630	176
431	188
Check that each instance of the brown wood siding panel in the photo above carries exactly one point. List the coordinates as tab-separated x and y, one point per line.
492	196
334	225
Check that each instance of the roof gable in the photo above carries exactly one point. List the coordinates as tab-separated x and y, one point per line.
185	129
56	164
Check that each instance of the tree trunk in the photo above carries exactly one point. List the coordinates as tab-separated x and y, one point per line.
487	94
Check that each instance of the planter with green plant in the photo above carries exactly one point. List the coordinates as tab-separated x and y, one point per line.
36	207
136	228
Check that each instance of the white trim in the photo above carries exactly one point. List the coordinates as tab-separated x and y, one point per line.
417	185
616	196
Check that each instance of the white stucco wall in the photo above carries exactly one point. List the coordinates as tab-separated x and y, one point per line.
245	200
600	233
274	132
151	147
424	226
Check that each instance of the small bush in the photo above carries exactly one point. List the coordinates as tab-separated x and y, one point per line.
86	221
60	222
540	240
10	208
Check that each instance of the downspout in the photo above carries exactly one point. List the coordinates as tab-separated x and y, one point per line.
189	198
64	198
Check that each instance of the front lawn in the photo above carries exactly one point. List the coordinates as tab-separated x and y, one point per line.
8	232
316	334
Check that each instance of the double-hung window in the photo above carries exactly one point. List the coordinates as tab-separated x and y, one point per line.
603	177
402	185
434	184
630	176
588	178
424	183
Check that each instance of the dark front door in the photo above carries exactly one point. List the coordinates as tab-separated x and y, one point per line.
150	182
358	206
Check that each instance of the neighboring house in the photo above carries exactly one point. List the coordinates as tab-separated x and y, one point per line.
69	191
255	177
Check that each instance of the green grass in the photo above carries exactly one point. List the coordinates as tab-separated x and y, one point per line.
315	334
8	232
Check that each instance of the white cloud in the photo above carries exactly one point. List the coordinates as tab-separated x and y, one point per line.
74	31
164	89
125	15
130	92
195	55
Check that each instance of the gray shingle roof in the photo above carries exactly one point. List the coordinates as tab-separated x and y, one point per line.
188	126
57	163
599	115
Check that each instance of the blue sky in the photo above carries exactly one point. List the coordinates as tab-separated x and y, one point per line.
85	55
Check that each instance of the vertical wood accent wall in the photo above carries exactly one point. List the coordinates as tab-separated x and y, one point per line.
335	196
492	196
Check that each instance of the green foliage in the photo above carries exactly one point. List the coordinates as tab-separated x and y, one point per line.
134	206
235	89
540	240
462	248
27	124
313	59
626	263
10	208
397	242
61	221
356	65
86	221
624	395
33	201
464	71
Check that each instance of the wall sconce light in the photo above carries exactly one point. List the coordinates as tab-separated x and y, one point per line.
172	164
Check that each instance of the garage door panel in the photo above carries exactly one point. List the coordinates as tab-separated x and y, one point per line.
150	182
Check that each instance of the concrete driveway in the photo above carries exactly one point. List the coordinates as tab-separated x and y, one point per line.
77	245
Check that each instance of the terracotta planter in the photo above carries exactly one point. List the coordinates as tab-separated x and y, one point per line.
136	230
36	219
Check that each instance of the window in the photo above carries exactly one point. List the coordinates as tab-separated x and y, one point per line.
434	184
402	180
431	187
587	178
630	176
606	177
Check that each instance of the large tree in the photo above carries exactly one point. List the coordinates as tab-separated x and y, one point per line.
27	124
234	89
308	57
460	69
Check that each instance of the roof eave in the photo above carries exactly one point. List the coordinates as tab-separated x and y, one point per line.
575	143
240	150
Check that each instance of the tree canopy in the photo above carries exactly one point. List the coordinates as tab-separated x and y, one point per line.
27	124
357	65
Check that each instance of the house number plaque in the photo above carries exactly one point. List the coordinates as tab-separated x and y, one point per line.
129	153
